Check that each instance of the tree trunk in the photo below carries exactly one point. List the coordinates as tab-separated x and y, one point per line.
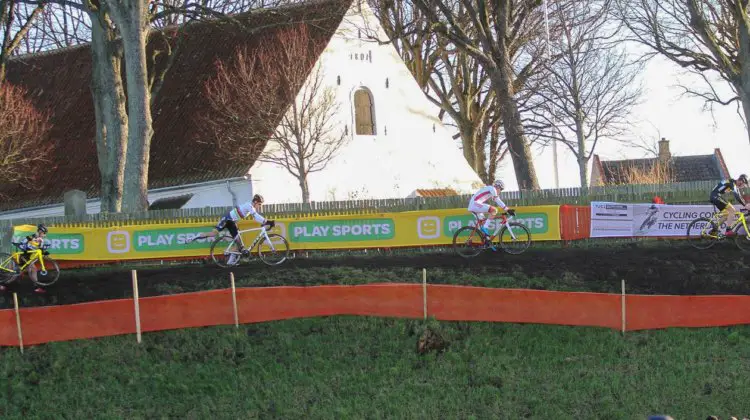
473	148
467	141
130	16
305	189
494	151
745	99
109	111
581	154
518	147
480	155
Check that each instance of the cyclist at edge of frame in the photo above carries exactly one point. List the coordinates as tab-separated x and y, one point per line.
716	197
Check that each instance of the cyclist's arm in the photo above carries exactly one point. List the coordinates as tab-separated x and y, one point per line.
738	196
258	218
500	203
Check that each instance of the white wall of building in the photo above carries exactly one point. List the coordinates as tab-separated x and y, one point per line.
209	194
411	149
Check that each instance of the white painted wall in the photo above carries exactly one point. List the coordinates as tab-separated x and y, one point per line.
405	154
209	194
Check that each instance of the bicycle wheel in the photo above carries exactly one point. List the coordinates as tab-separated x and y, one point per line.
473	245
8	268
698	233
46	277
274	252
220	254
514	238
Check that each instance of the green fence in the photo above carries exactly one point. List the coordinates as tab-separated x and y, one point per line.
676	193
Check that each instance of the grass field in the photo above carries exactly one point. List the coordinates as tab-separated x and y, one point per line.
357	367
360	367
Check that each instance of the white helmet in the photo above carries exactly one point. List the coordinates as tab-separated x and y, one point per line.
498	184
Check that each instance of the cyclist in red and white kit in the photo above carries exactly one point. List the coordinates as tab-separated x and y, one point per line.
477	203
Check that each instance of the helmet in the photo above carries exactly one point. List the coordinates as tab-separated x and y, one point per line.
742	178
499	184
41	227
257	198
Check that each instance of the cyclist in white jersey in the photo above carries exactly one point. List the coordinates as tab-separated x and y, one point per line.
477	203
229	221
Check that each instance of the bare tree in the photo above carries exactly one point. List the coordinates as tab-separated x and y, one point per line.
23	135
495	34
586	94
120	31
110	113
450	77
710	38
274	95
307	137
59	26
15	20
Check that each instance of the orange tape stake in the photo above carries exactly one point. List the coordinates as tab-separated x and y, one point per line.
234	301
137	308
424	291
623	307
18	321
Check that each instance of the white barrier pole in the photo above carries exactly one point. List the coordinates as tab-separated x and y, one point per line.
234	301
424	292
137	307
18	321
623	307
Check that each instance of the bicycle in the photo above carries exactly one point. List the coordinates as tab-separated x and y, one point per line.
11	266
264	239
484	242
707	230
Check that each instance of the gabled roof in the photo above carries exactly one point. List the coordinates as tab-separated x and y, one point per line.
683	168
180	151
435	192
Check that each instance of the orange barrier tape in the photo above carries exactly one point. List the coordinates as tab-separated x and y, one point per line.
444	302
652	312
71	322
466	303
275	303
8	331
199	309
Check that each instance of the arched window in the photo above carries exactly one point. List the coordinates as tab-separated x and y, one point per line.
364	113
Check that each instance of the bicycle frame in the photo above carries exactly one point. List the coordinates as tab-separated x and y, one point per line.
16	257
504	222
740	219
261	235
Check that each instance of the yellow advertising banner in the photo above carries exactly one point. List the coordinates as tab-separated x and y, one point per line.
379	230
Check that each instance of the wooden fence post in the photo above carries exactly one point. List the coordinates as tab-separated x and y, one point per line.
18	321
234	301
424	292
623	306
137	307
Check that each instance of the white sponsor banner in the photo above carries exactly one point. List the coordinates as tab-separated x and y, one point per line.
625	219
611	219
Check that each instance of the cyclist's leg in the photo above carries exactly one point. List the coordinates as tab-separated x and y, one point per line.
480	210
721	205
234	231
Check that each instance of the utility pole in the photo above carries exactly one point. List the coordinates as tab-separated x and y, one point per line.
554	140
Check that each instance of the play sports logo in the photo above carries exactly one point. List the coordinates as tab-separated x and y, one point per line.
428	227
118	242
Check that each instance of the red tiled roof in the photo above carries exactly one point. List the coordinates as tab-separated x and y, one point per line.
436	192
180	151
684	168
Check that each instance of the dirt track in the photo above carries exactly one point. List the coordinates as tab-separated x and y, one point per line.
648	270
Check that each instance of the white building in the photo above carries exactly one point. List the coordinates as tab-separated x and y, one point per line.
395	142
